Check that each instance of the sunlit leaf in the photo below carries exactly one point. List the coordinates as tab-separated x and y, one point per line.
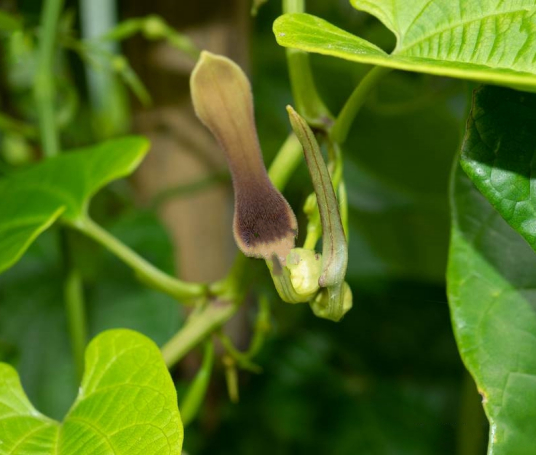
490	40
126	405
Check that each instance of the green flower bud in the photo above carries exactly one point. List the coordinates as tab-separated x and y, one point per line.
327	305
297	281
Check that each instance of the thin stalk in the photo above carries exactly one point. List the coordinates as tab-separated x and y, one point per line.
344	121
241	358
44	79
144	270
231	378
45	95
306	98
286	161
196	329
74	300
193	399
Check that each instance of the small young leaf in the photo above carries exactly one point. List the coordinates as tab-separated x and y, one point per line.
491	277
60	187
126	405
489	40
498	154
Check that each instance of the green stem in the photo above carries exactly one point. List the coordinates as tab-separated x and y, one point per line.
262	327
231	378
286	161
308	102
240	358
196	329
350	110
191	403
44	93
44	79
314	230
74	299
145	271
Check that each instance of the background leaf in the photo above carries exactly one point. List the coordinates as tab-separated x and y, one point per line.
498	154
490	41
126	404
33	199
491	282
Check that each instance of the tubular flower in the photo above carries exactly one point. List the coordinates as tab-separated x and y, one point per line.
264	224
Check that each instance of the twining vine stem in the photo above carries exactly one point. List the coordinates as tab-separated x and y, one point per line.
44	90
306	99
144	270
76	315
344	121
45	97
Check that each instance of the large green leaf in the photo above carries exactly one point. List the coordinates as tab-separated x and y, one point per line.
59	187
488	40
126	405
491	288
498	154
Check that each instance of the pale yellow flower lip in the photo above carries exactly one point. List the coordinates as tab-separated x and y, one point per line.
264	223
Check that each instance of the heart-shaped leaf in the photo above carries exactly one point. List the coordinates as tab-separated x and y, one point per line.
491	282
59	187
498	154
489	40
126	405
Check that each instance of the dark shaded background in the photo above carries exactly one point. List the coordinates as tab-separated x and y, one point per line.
388	378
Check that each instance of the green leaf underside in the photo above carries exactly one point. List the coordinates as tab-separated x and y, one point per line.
59	187
126	404
499	153
492	296
490	41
